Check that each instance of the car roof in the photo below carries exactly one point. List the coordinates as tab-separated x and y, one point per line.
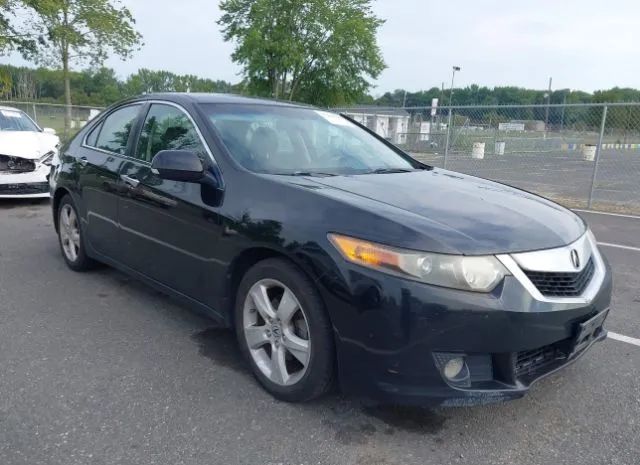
3	107
195	97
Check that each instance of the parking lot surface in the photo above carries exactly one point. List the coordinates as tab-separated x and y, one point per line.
96	368
563	176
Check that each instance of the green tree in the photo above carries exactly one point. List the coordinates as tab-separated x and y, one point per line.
96	87
6	83
146	81
318	51
14	36
620	120
80	31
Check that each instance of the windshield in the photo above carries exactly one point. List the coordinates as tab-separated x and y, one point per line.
288	140
16	120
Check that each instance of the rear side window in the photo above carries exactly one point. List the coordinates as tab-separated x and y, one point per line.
116	129
167	128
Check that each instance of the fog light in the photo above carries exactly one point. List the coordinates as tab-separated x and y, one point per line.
453	368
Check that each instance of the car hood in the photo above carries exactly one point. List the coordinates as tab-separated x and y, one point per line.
463	213
27	144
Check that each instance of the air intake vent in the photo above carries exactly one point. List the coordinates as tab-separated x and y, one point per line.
532	363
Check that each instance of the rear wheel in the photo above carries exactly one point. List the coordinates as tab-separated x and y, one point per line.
70	236
284	331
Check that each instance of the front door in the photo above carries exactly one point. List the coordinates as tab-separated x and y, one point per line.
168	233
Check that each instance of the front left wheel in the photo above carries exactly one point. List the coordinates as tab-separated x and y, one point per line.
284	332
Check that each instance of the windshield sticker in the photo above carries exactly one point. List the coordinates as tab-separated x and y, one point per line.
11	114
333	118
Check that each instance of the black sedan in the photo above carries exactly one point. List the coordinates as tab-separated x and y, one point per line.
335	255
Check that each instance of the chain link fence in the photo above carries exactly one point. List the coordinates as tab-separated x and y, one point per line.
580	155
51	115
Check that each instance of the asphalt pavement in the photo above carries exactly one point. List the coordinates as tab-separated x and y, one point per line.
563	176
96	368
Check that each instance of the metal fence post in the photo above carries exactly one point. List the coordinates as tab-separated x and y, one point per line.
597	158
446	145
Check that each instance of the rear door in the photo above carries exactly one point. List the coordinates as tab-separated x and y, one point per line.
100	159
168	232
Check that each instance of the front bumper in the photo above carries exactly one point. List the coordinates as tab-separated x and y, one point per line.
33	184
392	333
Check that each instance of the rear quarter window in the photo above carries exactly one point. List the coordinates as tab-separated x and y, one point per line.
92	138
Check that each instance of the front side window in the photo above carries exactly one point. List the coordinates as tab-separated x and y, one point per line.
116	129
16	120
290	140
167	128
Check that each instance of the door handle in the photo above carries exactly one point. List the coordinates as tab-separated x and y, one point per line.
128	180
83	161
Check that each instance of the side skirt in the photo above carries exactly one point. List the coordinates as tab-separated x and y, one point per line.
192	304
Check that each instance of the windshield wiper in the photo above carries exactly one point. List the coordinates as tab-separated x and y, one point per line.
309	173
390	170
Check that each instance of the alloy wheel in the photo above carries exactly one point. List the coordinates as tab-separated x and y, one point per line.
277	332
69	232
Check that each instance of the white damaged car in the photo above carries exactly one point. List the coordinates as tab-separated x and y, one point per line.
26	155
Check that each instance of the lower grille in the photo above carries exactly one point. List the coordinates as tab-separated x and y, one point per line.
24	189
534	362
554	284
16	164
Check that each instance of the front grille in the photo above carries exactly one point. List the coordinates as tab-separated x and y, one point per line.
24	189
532	363
16	164
555	284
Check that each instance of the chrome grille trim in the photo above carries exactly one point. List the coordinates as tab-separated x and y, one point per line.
558	260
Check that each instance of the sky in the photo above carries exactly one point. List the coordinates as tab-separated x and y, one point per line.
581	44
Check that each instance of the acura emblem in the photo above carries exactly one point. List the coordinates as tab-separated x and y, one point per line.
575	258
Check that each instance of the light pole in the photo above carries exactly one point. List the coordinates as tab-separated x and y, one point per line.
446	146
453	76
564	103
547	97
546	110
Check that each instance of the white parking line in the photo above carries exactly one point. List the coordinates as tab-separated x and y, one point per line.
620	246
627	339
621	215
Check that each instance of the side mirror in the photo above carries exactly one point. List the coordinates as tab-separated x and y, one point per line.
49	131
178	165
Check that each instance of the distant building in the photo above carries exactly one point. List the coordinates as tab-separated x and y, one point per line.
511	126
530	124
392	124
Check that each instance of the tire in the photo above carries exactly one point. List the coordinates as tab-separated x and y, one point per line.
73	250
286	333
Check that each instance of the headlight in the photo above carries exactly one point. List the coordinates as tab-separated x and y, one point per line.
479	274
47	158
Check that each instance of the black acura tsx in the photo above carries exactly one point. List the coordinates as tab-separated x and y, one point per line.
337	258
